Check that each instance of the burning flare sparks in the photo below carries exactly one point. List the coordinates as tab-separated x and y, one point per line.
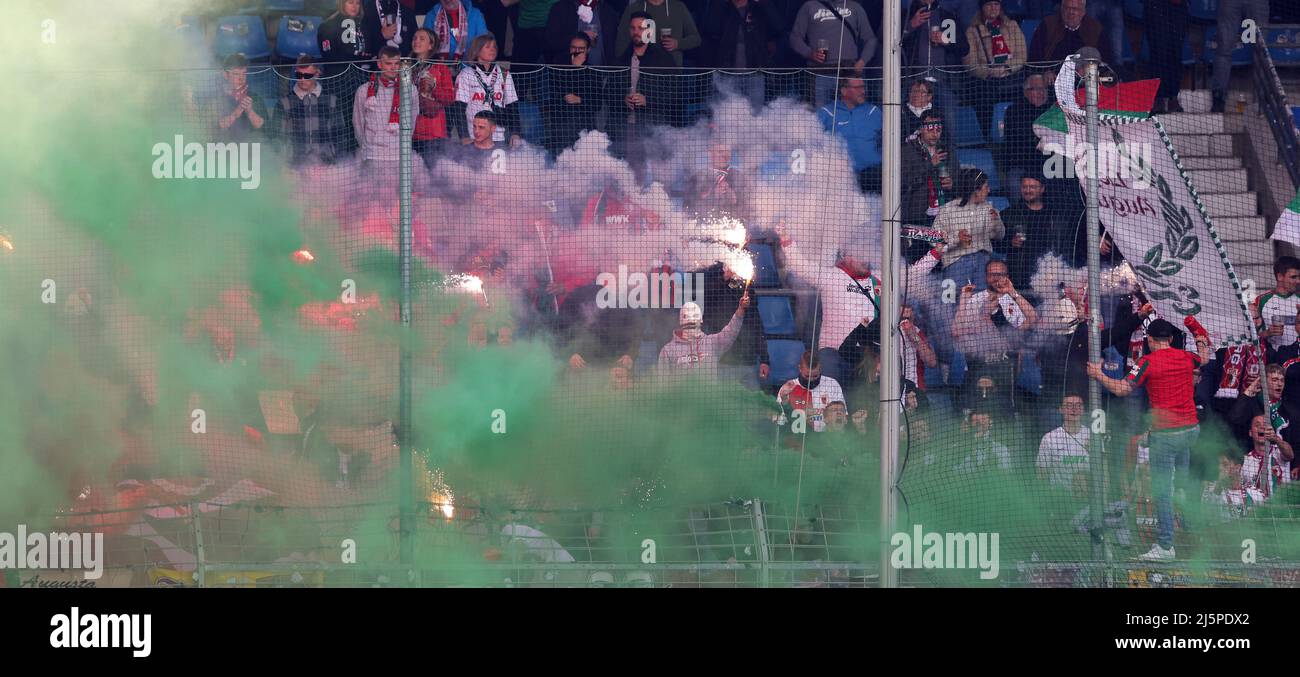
303	256
464	282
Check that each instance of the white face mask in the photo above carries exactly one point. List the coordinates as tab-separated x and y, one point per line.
690	331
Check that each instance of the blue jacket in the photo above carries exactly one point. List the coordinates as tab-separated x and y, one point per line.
477	26
860	129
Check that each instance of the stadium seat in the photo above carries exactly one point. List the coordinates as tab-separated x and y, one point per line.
1000	121
297	35
999	203
1284	56
1014	8
783	357
967	130
1203	10
190	28
777	315
1134	8
1028	26
278	6
241	35
982	159
530	122
1240	56
766	275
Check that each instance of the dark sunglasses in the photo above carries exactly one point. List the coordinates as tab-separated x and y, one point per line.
304	76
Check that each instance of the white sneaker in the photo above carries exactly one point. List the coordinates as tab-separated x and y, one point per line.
1158	554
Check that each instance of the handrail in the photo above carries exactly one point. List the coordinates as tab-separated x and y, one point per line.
1274	104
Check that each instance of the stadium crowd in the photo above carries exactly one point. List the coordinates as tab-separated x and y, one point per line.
984	347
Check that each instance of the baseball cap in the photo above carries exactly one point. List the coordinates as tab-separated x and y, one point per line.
1161	329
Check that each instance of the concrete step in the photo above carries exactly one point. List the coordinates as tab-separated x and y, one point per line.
1230	204
1240	228
1202	145
1201	123
1259	252
1219	180
1194	163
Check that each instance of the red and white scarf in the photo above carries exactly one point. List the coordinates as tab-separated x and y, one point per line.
1001	51
1241	364
449	22
375	83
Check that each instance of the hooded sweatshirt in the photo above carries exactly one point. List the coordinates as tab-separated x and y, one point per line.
701	352
672	14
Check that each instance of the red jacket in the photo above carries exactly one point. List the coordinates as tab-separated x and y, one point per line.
435	85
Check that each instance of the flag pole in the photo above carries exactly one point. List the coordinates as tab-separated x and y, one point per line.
1090	61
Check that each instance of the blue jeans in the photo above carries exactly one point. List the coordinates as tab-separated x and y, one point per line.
969	267
824	88
1171	454
1111	15
1231	14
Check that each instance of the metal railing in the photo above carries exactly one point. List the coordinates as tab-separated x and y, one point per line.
1275	105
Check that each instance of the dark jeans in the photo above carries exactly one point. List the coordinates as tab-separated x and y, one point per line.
428	150
985	95
528	46
1166	28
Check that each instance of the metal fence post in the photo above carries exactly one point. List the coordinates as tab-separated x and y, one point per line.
200	557
406	516
760	538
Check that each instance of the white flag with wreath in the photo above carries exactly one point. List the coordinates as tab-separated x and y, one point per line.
1157	220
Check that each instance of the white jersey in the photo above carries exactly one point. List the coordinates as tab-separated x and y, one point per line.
1274	308
1251	470
1063	455
812	402
473	87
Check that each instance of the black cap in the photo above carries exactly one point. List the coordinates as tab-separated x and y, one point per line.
1162	329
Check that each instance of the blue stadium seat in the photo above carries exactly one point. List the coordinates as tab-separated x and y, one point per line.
1240	56
297	35
983	159
1000	121
1284	56
190	28
999	203
241	35
765	272
966	128
777	315
285	5
783	357
1028	26
530	122
1013	8
1203	10
1133	8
